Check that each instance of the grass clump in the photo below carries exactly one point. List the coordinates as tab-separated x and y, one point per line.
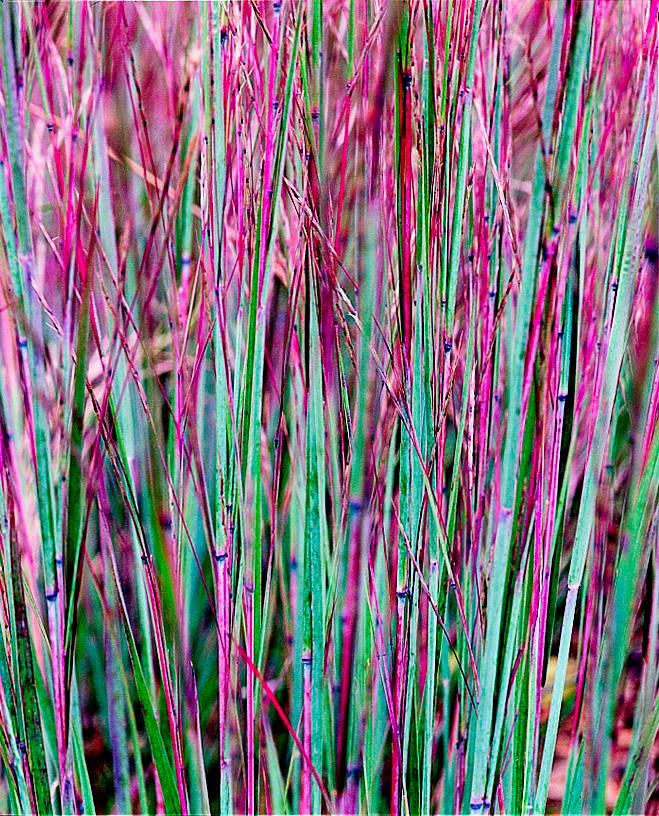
328	422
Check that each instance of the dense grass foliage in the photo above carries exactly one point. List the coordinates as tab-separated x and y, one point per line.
329	449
